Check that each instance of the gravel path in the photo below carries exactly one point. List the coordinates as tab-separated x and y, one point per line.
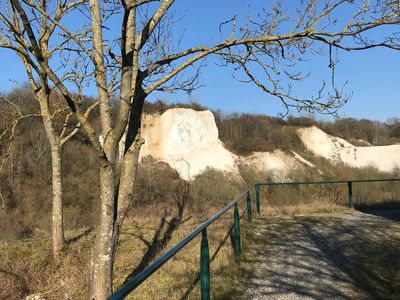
341	256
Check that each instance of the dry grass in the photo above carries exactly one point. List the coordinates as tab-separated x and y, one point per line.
178	277
292	199
26	266
309	208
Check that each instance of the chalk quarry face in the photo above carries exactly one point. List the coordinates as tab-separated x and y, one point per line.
384	158
188	131
188	141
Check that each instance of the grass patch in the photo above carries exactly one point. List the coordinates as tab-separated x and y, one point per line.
178	278
26	267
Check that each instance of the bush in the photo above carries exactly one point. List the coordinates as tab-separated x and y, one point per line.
212	190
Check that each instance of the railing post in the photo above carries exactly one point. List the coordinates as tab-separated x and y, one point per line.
258	198
204	267
249	211
350	186
236	226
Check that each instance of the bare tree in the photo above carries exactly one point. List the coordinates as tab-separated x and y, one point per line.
56	142
12	115
261	51
13	36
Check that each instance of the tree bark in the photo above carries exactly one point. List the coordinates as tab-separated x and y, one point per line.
116	192
101	264
57	207
56	178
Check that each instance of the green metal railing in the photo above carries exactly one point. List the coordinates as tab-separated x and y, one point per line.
204	247
348	182
204	250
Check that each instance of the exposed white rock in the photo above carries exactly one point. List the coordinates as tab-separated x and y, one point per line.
36	297
384	158
302	159
187	140
278	164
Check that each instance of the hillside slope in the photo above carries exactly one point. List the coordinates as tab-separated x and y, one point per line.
384	158
188	141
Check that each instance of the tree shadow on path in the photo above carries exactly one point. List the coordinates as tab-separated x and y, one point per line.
354	256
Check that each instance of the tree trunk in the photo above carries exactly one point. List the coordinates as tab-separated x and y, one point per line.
126	187
116	192
101	263
57	209
56	176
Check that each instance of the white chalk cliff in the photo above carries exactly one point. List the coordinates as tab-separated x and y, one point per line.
188	141
384	158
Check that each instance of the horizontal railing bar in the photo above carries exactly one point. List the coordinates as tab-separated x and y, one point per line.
142	276
327	181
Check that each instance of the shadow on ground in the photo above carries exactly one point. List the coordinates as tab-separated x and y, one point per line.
389	209
352	256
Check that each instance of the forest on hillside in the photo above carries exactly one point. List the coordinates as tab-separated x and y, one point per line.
25	174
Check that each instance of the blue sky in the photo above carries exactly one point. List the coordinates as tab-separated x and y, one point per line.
372	75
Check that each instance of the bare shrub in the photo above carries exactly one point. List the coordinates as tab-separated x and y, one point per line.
157	184
212	190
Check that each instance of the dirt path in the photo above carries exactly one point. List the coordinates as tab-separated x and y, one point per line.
347	256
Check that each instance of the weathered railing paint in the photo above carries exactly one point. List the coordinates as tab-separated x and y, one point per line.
236	231
258	198
350	188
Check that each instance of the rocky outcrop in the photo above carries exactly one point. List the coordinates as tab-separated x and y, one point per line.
384	158
188	141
